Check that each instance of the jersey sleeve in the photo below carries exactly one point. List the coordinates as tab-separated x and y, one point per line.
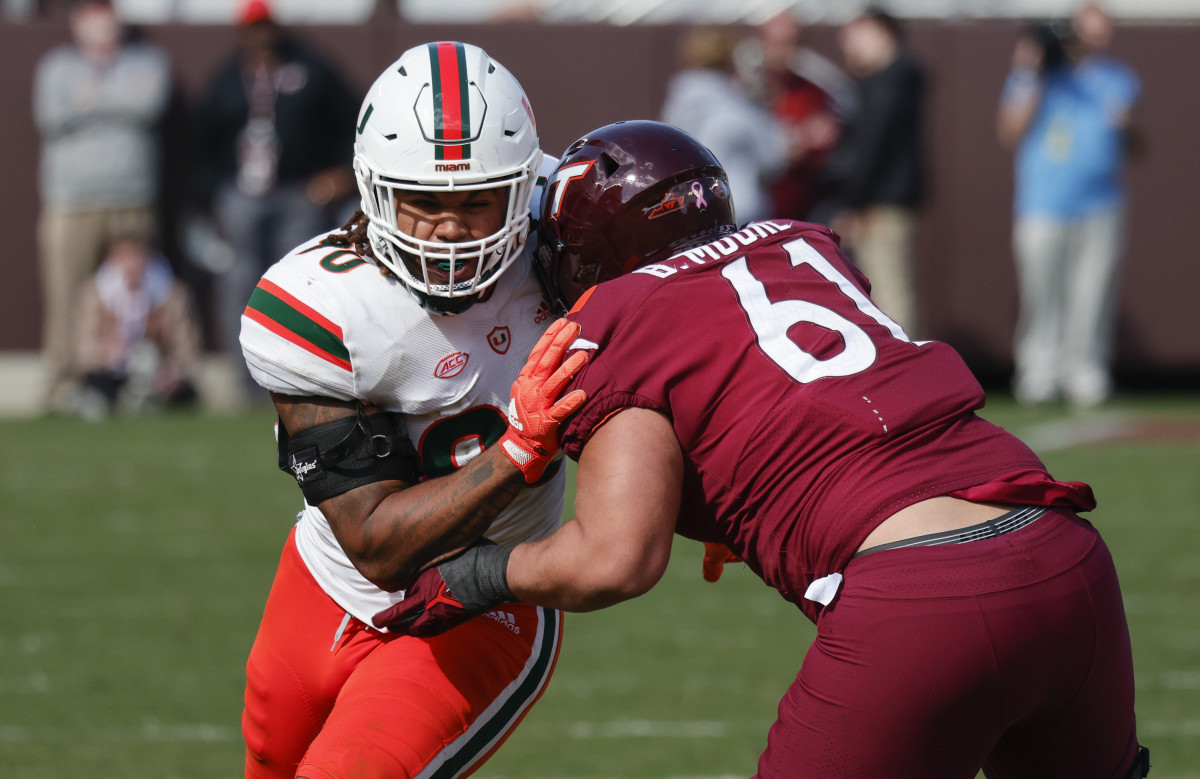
293	340
608	391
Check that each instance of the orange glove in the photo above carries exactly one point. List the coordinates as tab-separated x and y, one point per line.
715	557
531	440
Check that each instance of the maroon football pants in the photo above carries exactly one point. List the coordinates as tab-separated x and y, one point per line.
1010	653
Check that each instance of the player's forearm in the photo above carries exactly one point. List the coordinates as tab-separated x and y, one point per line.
408	530
390	529
570	571
626	501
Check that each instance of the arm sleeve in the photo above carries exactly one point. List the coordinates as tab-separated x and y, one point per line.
138	94
607	392
141	96
52	109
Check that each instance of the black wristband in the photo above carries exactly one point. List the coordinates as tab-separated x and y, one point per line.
478	577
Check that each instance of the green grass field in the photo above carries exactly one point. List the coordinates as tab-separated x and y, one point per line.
135	556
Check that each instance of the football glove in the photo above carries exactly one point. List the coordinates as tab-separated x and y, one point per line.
531	440
715	557
443	597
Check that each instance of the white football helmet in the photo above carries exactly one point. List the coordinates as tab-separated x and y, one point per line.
446	117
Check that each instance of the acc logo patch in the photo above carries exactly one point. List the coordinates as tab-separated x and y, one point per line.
499	339
451	365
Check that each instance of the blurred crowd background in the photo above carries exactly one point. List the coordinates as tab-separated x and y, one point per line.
159	154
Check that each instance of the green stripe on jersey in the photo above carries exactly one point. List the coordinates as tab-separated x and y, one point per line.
278	311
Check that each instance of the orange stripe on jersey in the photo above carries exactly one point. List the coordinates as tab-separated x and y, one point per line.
582	299
303	308
298	340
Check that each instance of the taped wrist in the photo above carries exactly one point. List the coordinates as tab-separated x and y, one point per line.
478	577
338	456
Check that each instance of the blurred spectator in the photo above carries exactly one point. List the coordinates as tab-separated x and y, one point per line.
1067	113
275	137
138	341
884	186
98	103
813	98
706	100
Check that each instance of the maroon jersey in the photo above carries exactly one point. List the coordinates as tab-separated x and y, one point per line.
806	416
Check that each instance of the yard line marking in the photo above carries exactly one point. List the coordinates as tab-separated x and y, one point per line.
1114	426
1161	728
646	729
150	732
1181	680
1076	431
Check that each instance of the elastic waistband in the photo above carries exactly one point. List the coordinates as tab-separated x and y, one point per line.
1006	523
1058	542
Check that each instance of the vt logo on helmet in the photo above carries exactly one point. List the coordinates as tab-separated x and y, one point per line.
623	196
446	126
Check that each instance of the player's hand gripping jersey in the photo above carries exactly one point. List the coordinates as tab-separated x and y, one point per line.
325	322
776	321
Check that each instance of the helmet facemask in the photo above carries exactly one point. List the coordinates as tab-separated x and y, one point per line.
471	266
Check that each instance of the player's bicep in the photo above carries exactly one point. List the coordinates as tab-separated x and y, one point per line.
298	414
346	458
627	495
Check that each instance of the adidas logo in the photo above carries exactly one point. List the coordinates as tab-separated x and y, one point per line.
506	619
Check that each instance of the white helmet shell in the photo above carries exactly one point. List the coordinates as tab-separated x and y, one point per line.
446	117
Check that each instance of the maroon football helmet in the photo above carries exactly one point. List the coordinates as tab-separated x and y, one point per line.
622	197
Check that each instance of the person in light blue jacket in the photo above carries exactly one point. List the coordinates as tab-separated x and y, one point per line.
1067	112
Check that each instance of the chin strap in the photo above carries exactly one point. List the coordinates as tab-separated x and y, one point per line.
446	306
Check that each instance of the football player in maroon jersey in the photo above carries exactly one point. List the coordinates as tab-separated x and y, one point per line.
743	390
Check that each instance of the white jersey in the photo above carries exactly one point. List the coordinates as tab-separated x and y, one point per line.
325	322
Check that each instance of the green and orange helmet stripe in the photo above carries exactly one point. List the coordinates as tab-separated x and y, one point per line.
451	106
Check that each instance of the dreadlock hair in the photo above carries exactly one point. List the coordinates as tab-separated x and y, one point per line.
353	235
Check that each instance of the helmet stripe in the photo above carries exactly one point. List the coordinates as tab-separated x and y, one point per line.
451	109
366	115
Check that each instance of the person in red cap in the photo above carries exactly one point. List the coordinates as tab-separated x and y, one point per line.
273	142
254	11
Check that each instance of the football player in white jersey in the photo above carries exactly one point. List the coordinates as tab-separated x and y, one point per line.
390	347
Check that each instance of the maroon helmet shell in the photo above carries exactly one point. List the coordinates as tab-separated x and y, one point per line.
624	196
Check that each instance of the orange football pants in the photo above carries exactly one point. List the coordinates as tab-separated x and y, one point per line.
328	697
